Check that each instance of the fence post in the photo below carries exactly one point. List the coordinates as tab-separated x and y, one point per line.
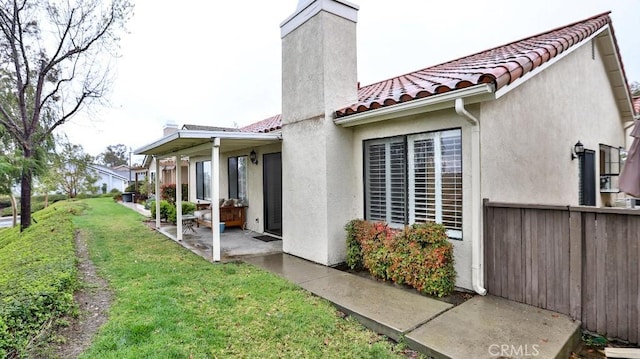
575	264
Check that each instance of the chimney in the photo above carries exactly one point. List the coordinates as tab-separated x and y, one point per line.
169	128
319	76
319	73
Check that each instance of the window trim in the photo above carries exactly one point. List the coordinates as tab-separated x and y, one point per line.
201	183
236	178
409	177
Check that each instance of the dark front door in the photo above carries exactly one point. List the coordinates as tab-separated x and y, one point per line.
272	185
588	178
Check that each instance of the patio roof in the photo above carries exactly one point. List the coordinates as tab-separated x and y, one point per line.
190	142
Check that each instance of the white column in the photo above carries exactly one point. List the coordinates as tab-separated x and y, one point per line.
157	192
215	198
179	197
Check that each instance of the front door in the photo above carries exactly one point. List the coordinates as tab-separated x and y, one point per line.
272	185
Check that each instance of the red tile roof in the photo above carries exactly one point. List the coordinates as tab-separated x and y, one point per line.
267	125
501	66
636	105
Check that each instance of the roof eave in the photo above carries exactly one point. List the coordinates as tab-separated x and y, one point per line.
194	135
473	94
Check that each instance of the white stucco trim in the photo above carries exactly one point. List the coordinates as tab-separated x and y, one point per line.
510	87
309	8
473	94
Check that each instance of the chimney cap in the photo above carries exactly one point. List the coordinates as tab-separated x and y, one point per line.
307	9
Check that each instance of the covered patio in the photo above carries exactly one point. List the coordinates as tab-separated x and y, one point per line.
187	143
235	243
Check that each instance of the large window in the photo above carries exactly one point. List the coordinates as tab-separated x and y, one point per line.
610	164
238	177
203	180
415	178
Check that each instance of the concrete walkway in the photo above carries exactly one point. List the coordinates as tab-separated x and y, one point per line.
482	327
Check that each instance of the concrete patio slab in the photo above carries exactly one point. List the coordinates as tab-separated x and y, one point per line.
291	268
492	327
386	309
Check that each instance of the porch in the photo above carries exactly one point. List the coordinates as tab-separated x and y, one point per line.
235	243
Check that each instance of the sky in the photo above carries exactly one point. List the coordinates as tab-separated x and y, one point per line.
218	63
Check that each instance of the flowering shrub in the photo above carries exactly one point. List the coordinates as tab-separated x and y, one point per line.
421	256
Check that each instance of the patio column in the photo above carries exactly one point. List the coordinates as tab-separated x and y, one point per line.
179	197
157	184
215	198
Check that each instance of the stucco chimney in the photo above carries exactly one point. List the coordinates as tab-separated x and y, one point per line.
169	128
319	67
319	76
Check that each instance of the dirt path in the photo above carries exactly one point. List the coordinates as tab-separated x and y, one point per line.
93	300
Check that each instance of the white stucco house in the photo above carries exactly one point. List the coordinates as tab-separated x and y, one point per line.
111	178
425	146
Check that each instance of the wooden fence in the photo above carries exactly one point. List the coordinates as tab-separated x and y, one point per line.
579	261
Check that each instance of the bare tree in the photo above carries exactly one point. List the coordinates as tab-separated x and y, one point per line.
52	60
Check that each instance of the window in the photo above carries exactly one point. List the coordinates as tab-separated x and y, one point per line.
610	164
415	178
238	177
203	180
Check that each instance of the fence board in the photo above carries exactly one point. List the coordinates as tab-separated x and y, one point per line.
611	264
589	273
575	266
601	290
633	280
622	265
580	261
528	256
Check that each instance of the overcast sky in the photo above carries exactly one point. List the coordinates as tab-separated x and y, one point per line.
219	63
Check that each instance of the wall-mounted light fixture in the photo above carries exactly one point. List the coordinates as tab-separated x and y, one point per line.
577	151
253	157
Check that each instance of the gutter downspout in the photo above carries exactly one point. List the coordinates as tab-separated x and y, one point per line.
477	276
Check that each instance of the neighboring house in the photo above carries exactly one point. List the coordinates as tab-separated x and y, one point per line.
500	124
111	178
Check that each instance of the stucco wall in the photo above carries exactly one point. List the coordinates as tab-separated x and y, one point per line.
255	212
319	75
527	134
434	121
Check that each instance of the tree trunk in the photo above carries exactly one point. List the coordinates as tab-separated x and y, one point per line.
46	198
14	209
25	193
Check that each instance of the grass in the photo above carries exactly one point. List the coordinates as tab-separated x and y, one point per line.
170	303
37	276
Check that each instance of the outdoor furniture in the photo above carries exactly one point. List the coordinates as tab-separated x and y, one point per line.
232	214
188	220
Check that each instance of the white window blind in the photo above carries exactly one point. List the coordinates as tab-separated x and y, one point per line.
415	179
386	180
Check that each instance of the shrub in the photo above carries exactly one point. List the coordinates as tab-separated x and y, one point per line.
421	256
168	192
165	209
168	210
37	276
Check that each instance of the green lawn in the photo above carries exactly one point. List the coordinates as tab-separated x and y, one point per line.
170	303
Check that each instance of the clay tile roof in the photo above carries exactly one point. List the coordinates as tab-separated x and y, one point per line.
501	66
636	105
267	125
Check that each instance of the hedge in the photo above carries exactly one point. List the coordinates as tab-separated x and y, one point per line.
420	256
37	276
168	210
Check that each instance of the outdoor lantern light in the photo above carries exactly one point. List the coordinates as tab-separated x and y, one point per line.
578	150
253	157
